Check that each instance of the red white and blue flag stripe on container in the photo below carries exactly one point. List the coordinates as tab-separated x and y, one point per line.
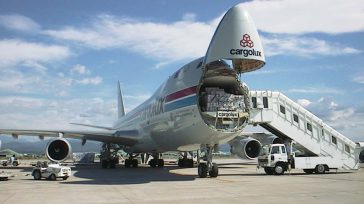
180	99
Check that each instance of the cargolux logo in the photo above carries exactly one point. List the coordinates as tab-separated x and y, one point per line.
246	41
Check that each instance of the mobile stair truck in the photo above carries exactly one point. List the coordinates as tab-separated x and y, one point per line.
322	148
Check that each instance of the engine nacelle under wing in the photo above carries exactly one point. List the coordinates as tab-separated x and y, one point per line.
58	150
245	148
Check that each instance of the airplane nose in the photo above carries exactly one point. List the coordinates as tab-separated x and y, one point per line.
236	38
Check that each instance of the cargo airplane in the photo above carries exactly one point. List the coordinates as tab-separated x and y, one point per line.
201	105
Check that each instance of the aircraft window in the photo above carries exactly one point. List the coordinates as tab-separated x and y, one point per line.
282	109
283	149
347	148
333	140
265	102
295	118
275	150
254	101
309	127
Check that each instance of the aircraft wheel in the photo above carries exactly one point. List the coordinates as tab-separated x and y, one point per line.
160	163
153	163
36	175
134	163
104	164
320	169
214	172
127	163
202	170
112	164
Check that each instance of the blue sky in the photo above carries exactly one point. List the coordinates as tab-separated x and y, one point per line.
60	60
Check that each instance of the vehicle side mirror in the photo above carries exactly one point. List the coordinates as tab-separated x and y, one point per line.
272	157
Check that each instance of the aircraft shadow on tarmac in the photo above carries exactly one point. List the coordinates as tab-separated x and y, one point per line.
123	176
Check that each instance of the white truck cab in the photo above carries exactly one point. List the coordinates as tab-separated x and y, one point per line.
275	159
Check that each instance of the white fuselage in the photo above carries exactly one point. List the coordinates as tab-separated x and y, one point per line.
170	120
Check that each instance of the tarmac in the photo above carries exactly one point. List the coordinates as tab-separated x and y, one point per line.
238	182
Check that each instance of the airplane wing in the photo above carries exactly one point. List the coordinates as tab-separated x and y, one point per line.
125	137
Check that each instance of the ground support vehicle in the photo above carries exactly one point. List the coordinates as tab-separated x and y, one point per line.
51	171
276	160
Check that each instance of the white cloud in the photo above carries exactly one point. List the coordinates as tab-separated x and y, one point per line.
315	90
304	102
346	120
168	42
80	69
37	113
91	80
16	51
303	46
307	16
359	79
19	23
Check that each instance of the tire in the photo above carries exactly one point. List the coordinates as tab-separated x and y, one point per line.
214	171
153	163
269	170
134	163
320	169
5	164
180	163
37	175
202	170
15	163
278	169
190	163
52	177
127	163
65	178
309	171
104	164
112	164
160	163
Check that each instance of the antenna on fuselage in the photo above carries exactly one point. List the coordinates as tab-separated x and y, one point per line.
121	111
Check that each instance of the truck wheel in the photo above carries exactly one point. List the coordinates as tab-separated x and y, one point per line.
269	171
36	175
52	177
15	163
279	170
5	164
320	169
65	178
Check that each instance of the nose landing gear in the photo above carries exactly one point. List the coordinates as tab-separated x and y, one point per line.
207	166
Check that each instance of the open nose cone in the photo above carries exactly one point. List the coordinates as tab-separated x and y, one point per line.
236	38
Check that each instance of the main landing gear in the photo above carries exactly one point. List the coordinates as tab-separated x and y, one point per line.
109	157
131	162
185	162
207	166
156	161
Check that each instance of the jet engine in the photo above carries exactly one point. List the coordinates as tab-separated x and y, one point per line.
58	150
245	148
270	140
